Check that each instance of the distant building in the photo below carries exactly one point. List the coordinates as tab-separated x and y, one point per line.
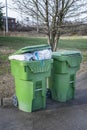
11	23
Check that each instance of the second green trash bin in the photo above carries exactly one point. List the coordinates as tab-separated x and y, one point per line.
65	66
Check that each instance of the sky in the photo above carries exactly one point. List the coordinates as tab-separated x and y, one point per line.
11	12
14	13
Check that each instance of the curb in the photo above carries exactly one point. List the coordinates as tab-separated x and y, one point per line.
5	102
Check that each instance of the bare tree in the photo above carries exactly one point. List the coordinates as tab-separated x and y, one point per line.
1	17
51	13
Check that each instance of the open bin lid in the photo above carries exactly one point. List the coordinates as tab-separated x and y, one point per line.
32	48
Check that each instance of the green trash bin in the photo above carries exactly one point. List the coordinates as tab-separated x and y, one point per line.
30	80
65	66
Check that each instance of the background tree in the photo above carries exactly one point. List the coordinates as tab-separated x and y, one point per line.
51	13
1	17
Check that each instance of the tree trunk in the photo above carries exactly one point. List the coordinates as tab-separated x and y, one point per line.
57	37
53	41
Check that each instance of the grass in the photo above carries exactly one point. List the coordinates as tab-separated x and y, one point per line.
84	56
72	43
19	42
64	43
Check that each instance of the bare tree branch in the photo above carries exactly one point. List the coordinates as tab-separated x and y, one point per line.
51	13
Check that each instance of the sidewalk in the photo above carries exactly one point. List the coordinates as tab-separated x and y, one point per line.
57	116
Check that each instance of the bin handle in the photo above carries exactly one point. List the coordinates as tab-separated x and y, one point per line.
40	89
71	82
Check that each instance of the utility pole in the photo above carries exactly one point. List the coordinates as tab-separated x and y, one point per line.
6	17
37	17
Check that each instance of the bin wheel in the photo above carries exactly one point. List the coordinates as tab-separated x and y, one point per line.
15	100
48	94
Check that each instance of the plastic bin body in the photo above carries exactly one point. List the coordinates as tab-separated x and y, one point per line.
65	66
31	95
31	83
30	80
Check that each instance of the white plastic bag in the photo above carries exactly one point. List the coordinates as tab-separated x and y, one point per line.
22	57
42	55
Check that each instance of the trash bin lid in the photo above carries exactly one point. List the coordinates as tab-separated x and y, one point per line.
32	48
72	58
65	53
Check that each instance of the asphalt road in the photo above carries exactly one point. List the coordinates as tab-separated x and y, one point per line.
57	116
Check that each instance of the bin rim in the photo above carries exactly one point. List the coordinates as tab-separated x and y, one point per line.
32	61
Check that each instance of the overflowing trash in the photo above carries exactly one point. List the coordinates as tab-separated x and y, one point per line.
36	55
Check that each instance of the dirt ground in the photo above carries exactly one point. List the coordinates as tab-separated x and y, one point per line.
6	79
